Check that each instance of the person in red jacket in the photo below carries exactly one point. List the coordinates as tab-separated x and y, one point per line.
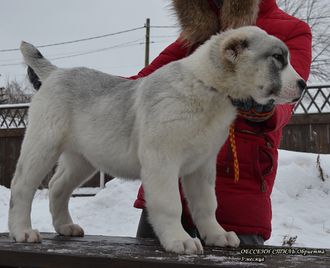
243	206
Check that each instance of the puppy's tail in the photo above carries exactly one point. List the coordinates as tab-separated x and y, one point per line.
39	68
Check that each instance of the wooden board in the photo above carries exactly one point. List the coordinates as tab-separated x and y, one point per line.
102	251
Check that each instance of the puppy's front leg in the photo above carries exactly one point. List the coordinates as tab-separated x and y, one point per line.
160	182
199	189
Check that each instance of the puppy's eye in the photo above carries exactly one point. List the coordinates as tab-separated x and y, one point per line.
278	57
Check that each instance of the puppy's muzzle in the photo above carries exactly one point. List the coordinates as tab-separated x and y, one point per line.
301	87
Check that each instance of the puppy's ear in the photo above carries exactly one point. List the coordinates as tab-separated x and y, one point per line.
234	48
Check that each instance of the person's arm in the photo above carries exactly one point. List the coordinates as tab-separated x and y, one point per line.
300	45
173	52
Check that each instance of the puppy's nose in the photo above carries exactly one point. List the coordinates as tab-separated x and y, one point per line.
301	84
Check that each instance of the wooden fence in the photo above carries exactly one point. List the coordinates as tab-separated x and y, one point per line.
308	131
10	144
309	128
13	120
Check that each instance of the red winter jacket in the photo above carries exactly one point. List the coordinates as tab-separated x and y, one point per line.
245	207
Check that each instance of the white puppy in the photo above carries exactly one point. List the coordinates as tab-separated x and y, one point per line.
168	125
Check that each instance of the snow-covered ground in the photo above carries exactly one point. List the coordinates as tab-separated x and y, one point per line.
301	205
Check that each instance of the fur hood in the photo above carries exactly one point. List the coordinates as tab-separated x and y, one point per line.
199	19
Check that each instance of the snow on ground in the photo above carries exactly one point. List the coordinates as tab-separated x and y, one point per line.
110	212
300	205
301	200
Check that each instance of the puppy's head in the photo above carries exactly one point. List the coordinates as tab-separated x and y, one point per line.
255	64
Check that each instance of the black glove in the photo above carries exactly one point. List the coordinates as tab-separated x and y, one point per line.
253	111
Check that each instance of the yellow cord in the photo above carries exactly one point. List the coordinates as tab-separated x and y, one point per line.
234	151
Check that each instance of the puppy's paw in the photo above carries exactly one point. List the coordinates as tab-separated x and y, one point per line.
28	235
70	230
187	246
224	239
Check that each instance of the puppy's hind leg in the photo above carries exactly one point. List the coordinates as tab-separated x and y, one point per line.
199	189
72	171
38	155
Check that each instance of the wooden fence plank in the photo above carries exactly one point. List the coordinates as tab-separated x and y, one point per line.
12	132
9	152
306	119
307	133
101	251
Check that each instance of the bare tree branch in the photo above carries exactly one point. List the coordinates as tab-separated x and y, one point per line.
316	14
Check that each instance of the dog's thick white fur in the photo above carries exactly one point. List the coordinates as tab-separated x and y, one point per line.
168	125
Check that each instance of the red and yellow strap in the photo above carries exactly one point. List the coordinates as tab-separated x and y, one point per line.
234	152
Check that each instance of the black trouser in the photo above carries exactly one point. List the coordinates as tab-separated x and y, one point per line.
145	230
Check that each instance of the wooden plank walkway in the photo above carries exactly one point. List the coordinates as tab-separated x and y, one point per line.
102	251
